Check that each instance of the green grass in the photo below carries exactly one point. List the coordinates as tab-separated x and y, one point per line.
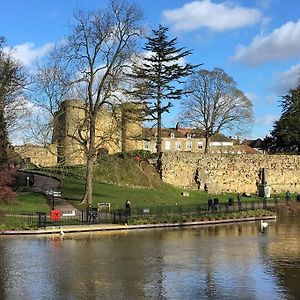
196	218
31	202
73	189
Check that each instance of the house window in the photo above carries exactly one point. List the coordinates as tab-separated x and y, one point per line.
167	145
189	146
200	146
146	145
178	145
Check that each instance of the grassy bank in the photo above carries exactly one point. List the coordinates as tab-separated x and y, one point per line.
259	213
29	202
73	188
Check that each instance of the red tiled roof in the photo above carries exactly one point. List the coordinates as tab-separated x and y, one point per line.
181	132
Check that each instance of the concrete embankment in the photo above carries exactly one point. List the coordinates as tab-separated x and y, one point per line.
117	227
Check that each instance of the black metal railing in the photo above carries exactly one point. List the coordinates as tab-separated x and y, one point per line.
191	209
23	220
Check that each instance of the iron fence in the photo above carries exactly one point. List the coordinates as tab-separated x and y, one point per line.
23	220
14	220
193	209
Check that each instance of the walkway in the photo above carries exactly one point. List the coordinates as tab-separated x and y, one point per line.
43	184
117	227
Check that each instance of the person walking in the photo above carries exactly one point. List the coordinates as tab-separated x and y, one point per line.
216	203
209	204
127	208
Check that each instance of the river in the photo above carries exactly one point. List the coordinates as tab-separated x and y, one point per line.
216	262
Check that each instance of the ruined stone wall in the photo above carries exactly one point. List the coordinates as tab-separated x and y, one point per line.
38	155
232	173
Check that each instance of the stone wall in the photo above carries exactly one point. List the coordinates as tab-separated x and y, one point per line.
115	131
38	155
232	173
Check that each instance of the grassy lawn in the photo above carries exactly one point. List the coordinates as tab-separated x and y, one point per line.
72	189
30	202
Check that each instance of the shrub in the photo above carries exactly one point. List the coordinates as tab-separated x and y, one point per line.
7	178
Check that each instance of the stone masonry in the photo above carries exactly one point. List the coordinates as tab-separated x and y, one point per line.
232	173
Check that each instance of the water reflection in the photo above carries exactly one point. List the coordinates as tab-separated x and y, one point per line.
220	262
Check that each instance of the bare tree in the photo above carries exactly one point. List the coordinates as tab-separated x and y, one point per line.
48	89
12	83
95	54
216	105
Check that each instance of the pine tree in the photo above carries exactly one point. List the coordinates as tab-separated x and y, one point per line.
285	136
158	77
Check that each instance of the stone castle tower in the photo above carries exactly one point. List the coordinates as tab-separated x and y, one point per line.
116	131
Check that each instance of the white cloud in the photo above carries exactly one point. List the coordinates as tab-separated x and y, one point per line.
215	16
266	120
27	53
251	96
282	43
286	80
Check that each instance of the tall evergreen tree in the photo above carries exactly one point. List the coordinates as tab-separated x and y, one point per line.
285	136
157	78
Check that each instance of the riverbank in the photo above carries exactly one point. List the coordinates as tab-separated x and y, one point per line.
61	230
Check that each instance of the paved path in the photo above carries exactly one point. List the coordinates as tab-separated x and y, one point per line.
112	227
42	184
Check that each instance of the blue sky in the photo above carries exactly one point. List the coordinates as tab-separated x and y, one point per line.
256	42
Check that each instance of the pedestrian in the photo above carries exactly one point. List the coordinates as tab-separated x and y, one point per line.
287	195
216	203
127	208
209	204
89	213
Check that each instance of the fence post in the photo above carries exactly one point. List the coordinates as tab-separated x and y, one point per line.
265	203
41	221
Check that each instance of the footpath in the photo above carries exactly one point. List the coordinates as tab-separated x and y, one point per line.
45	184
61	230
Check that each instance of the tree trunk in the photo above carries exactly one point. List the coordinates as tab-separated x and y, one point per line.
206	149
159	138
3	138
88	192
91	154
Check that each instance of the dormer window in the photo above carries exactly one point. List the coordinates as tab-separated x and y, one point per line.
172	135
188	135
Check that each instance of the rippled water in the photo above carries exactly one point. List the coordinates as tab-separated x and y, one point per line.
220	262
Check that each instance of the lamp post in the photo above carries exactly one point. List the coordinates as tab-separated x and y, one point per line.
53	201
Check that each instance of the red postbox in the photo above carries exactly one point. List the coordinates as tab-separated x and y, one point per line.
55	215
